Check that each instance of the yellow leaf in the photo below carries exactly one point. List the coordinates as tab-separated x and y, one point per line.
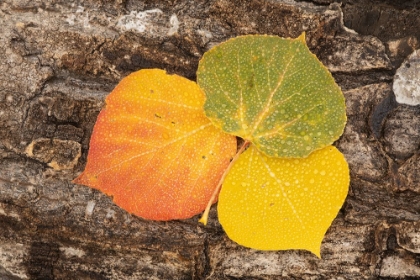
280	204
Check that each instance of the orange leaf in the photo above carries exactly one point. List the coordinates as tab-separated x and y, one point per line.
154	150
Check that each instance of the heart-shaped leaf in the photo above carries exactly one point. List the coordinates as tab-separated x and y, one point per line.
279	204
273	92
154	150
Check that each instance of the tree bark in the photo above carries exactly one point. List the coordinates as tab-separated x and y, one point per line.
59	60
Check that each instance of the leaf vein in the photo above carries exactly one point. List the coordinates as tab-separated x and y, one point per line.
271	95
279	182
289	123
226	94
201	169
241	98
172	161
170	103
255	85
157	149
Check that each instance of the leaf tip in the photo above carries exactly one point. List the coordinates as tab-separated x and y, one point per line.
78	180
302	37
86	179
316	251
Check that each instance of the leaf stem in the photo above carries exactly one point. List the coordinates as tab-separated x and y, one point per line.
216	191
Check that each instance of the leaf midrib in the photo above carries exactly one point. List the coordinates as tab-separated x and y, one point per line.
267	107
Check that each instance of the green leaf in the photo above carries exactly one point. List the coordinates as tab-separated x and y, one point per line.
270	203
273	92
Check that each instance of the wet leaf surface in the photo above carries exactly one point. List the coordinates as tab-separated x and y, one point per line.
280	204
273	92
154	150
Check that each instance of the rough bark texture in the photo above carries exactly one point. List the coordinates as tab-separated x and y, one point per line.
59	59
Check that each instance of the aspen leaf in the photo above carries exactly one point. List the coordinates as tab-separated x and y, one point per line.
272	92
278	204
154	150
